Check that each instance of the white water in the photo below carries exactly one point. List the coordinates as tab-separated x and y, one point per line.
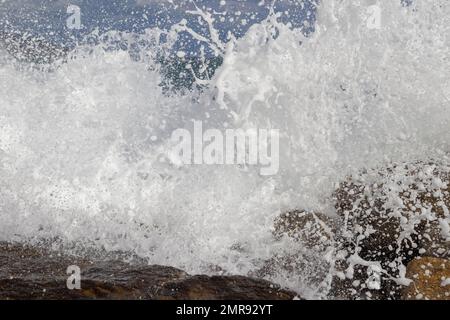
78	161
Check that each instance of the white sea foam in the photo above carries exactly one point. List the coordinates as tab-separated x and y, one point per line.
78	161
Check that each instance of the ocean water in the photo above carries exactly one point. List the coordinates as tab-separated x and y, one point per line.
84	144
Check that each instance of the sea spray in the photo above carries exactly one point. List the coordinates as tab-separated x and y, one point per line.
79	164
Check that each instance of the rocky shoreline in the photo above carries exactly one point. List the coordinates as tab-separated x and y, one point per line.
390	240
34	273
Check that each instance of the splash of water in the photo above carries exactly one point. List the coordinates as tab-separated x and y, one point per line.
83	147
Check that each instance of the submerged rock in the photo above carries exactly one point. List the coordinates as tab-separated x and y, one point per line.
34	273
430	279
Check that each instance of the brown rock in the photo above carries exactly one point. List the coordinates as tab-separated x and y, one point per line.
313	238
314	230
431	279
222	288
398	212
34	273
391	216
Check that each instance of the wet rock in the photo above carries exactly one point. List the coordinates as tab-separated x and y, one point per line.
314	230
34	273
305	254
220	288
430	279
389	217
